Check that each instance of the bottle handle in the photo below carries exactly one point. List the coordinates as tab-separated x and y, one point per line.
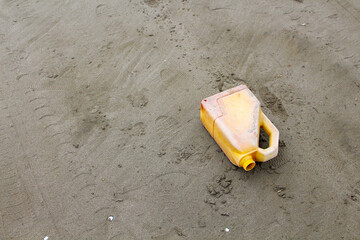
263	155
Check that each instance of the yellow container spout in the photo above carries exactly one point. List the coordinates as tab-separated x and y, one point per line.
247	163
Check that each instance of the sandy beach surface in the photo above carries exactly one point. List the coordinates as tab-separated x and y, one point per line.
99	117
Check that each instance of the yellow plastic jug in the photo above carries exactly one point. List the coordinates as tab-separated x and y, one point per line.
233	118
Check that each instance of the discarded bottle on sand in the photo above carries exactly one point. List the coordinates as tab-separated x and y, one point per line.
234	118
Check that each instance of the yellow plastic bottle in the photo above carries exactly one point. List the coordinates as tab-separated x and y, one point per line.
233	118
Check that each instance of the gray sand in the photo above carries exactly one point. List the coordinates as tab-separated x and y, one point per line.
99	117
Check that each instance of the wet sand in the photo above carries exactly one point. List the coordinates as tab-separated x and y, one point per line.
99	117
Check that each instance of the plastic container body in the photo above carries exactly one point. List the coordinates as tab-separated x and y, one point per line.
233	118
